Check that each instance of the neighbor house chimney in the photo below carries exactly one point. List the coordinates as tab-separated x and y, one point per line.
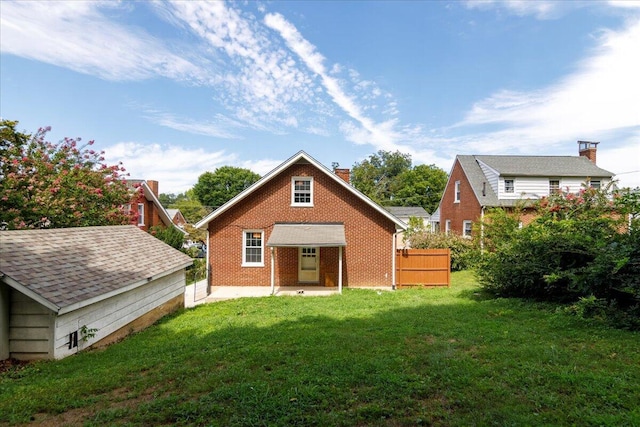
588	149
343	173
153	186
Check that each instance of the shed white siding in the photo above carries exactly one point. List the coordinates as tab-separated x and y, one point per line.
4	321
30	328
108	316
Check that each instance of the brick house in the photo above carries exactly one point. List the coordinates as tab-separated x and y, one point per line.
478	182
147	206
176	217
301	224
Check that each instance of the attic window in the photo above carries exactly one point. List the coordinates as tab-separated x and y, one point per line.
302	191
554	186
457	193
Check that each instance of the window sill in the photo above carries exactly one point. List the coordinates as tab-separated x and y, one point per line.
252	265
300	205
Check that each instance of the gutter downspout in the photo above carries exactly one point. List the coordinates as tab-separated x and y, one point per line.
393	260
482	230
273	271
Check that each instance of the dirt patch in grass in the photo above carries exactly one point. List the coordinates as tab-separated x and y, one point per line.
12	365
116	399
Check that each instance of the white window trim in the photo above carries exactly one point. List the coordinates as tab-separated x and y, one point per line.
559	185
464	228
456	192
140	214
293	190
513	188
447	226
244	249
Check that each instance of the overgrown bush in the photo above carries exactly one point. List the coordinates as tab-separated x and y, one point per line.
579	246
461	247
197	271
170	235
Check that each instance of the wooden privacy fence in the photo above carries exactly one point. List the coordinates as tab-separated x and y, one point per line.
423	267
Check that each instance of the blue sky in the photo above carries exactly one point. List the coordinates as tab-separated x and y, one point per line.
175	89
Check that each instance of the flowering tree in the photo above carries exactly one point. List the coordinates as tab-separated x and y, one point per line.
57	185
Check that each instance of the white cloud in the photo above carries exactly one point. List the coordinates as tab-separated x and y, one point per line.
177	168
77	36
599	101
221	127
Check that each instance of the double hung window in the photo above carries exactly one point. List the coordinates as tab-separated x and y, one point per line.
253	248
302	191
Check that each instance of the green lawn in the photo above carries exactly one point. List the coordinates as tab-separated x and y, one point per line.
449	357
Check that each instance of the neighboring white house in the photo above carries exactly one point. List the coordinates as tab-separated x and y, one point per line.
63	290
403	213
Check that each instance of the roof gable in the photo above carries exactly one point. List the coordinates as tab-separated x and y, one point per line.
72	267
300	157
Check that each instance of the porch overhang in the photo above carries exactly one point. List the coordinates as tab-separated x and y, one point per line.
327	235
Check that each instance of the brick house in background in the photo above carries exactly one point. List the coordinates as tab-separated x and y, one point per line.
176	217
478	182
301	224
147	206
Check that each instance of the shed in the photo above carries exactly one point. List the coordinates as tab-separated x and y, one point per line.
63	290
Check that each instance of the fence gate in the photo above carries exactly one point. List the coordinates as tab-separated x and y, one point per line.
423	267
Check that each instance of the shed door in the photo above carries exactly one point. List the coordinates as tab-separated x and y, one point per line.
308	261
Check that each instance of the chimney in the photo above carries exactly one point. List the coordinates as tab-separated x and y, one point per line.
153	186
588	149
343	173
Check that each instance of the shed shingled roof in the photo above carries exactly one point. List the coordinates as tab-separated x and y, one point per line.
66	266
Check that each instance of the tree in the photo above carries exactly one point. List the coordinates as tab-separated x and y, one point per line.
214	189
190	206
421	186
390	180
57	185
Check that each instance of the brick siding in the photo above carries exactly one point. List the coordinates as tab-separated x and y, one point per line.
468	209
367	258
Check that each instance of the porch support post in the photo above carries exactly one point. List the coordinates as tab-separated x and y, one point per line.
340	269
273	271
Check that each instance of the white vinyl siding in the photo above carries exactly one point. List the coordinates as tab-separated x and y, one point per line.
492	176
533	187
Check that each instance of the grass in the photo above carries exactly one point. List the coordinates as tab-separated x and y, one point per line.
450	357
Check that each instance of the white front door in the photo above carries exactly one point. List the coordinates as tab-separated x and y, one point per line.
308	261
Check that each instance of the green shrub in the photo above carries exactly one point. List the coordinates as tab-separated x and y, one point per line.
461	247
170	235
580	248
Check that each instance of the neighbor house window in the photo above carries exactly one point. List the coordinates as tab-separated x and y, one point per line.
595	184
554	186
509	187
302	191
140	213
466	228
252	248
457	192
447	226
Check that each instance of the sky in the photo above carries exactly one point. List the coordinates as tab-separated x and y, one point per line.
174	89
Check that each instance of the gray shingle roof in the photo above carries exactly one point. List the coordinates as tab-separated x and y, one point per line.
514	166
569	166
66	266
293	234
407	211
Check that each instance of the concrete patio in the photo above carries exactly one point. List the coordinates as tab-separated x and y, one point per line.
196	294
